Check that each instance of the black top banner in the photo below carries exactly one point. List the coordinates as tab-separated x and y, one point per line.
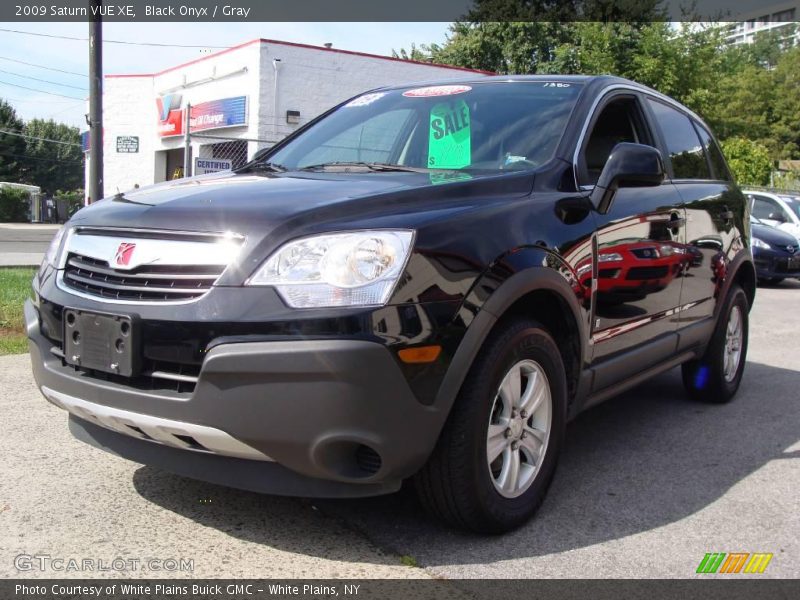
389	10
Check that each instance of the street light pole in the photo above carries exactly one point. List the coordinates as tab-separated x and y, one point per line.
95	102
187	142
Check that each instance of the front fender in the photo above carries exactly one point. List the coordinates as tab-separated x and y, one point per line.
508	280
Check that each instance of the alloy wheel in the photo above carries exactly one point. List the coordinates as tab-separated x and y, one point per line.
519	428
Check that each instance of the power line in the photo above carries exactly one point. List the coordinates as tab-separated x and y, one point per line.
73	102
74	87
40	91
30	64
105	41
41	139
60	111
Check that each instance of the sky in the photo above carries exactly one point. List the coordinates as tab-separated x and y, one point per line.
70	55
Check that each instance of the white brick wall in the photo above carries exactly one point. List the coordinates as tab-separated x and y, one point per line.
309	80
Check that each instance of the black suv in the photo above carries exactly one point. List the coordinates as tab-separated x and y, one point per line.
425	282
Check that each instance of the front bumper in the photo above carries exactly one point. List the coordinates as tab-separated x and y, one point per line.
770	264
335	414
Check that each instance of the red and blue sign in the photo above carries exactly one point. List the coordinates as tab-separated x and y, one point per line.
227	112
170	115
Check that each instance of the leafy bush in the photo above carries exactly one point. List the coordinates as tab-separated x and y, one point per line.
14	205
787	181
74	200
749	161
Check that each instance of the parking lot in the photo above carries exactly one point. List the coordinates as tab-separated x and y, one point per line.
649	483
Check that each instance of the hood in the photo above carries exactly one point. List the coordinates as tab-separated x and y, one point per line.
246	203
773	236
235	202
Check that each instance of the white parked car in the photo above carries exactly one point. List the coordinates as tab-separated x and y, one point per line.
778	210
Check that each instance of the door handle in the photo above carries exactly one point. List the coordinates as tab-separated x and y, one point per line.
676	221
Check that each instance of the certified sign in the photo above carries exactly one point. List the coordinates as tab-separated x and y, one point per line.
211	165
128	144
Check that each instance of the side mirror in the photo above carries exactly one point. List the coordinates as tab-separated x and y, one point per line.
776	217
630	165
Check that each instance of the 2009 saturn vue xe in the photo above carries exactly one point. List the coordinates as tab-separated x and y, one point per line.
424	283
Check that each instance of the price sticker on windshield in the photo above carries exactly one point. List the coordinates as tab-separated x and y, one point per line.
450	136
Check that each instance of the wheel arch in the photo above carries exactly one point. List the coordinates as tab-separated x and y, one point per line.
742	272
536	292
746	277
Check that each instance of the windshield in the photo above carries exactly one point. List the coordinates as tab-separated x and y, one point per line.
477	127
793	202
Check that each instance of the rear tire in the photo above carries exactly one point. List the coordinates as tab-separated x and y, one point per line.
776	280
512	406
716	376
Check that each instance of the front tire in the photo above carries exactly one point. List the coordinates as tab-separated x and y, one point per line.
497	454
716	376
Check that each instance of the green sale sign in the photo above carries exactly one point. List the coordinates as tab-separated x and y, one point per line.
449	144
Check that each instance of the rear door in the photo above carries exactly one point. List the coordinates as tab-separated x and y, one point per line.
637	254
714	215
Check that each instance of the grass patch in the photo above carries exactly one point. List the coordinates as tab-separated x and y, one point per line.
408	561
15	288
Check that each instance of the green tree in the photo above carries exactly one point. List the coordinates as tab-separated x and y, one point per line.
749	161
768	46
12	147
421	53
786	107
54	157
743	106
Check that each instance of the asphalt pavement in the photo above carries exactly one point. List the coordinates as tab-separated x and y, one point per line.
24	244
648	484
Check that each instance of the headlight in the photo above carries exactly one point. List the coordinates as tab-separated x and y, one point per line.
757	243
609	257
358	268
51	256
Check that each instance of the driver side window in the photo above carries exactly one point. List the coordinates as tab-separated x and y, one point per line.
619	121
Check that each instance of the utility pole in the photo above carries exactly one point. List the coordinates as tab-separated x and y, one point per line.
95	102
187	142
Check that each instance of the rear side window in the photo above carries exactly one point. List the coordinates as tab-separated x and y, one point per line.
684	147
714	154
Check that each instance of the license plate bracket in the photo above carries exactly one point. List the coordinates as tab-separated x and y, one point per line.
101	341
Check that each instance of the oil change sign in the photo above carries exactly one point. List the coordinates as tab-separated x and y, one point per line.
450	138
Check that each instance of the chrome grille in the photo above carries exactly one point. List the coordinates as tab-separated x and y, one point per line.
150	282
130	266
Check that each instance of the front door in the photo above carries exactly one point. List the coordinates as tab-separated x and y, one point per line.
639	252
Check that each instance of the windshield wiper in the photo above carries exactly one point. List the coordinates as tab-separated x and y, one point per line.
372	166
263	166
